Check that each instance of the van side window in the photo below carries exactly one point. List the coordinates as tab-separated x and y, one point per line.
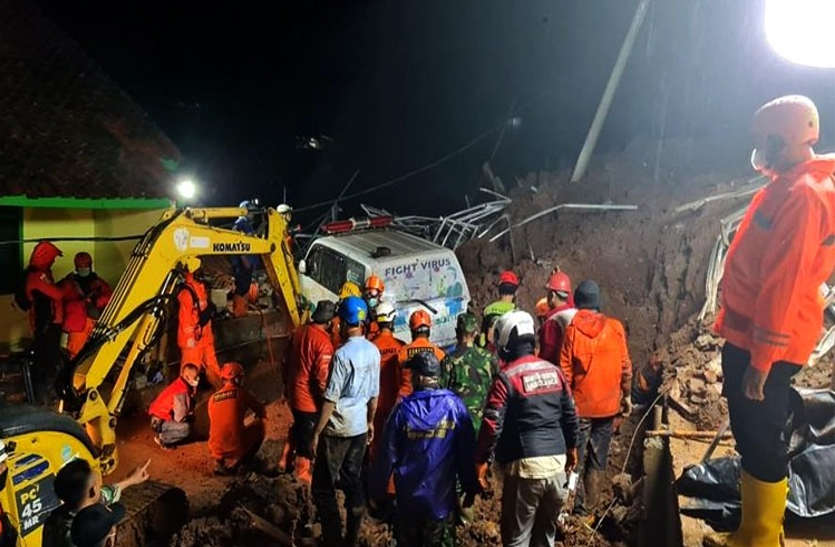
331	269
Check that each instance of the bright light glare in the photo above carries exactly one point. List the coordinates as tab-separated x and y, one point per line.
801	30
186	188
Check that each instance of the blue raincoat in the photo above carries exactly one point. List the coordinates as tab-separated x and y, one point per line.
429	444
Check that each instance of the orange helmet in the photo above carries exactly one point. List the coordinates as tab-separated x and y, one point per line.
83	260
542	307
509	277
231	370
374	283
420	319
559	282
793	118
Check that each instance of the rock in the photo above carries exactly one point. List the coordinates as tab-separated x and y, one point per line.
709	376
696	386
697	399
713	394
705	342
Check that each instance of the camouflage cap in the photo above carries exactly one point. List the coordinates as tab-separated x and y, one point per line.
467	322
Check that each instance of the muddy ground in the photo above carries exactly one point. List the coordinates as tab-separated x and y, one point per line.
651	265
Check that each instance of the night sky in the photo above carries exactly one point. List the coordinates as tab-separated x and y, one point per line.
398	84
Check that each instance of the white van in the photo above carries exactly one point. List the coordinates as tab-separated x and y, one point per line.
417	274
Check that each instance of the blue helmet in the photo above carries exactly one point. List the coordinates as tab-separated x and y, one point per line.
353	310
246	204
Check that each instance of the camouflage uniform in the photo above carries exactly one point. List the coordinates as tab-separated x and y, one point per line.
468	372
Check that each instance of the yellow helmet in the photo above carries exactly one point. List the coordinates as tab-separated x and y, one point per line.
793	118
349	289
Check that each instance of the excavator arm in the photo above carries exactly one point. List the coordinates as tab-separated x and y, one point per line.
129	323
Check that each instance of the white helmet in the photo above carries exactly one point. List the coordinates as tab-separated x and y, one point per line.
519	321
386	312
3	454
283	209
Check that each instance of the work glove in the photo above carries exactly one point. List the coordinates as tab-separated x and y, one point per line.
570	460
626	406
481	470
191	342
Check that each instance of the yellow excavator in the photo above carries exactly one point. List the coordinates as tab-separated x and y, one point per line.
94	384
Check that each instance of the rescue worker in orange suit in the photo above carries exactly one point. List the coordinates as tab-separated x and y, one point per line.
85	296
373	296
561	310
194	331
232	440
420	323
596	365
772	310
389	347
243	265
349	288
46	315
306	376
172	412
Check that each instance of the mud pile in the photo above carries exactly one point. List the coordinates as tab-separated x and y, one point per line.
651	264
254	510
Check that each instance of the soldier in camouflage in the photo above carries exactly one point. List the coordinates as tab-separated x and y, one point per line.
468	371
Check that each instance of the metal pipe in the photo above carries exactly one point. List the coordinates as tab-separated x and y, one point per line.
609	93
577	206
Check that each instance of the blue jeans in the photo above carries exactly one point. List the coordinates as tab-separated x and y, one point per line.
171	432
593	440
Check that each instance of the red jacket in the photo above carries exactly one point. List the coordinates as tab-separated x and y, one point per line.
190	334
783	250
308	366
553	331
46	297
595	362
79	293
175	402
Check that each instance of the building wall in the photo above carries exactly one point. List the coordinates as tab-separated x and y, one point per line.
109	258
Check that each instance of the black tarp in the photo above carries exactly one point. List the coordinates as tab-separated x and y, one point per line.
713	487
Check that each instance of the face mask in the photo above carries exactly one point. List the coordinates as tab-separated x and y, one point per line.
83	272
372	302
193	383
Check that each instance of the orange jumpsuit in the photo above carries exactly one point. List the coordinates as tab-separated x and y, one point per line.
389	347
229	440
418	345
196	341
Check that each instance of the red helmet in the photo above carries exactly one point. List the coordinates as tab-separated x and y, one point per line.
374	283
509	277
559	282
231	370
420	319
83	260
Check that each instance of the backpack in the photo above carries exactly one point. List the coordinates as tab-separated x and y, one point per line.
21	297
